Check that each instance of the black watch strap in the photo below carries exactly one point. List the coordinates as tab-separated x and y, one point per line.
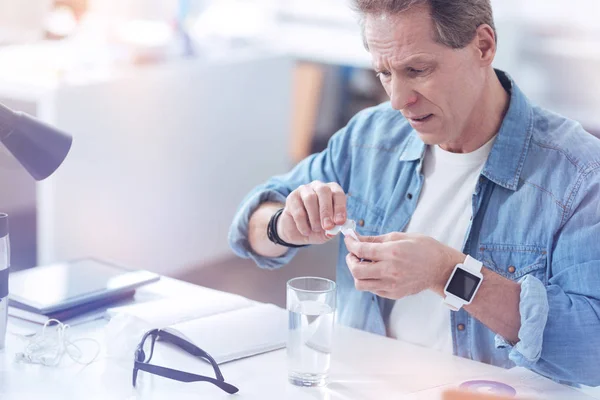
272	232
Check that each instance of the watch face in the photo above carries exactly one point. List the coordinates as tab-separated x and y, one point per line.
463	284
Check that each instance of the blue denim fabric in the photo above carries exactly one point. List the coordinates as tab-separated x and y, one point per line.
536	208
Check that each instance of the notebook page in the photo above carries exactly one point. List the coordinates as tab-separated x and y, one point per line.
165	312
238	333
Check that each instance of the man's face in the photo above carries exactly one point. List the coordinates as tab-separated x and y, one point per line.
434	86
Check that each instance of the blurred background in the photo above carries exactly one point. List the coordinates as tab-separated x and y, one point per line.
179	107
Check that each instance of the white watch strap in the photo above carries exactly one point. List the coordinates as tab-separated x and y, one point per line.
453	302
472	265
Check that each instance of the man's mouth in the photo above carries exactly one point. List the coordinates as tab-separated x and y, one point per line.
422	118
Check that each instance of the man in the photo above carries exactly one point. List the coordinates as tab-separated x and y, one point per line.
465	194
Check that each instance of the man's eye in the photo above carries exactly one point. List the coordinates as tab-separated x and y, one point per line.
384	74
416	71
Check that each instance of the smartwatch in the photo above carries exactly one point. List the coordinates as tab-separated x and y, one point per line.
463	284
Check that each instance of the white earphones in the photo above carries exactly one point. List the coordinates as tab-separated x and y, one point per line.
48	348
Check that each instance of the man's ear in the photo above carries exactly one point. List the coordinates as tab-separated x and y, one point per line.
485	43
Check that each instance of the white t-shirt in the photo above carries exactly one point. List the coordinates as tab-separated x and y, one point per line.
443	212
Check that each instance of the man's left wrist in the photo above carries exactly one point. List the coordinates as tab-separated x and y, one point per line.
454	257
458	258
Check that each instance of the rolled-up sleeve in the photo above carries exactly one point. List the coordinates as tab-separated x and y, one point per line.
534	308
331	165
238	232
560	322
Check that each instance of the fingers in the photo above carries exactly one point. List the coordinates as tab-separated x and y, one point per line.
339	203
332	203
367	285
371	277
317	206
363	270
310	200
325	209
295	207
388	237
367	250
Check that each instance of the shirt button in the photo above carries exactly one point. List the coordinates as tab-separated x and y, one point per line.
409	196
512	269
461	327
361	222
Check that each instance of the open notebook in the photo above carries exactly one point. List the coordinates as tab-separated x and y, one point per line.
226	327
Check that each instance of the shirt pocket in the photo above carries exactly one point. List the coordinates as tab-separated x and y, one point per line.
514	261
368	217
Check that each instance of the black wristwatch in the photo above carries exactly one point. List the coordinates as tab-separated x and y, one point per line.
272	232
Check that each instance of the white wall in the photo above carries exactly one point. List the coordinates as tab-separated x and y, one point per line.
22	20
17	187
161	160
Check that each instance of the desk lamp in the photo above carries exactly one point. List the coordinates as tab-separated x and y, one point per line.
39	148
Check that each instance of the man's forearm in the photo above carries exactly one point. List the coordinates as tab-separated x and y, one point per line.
496	304
257	231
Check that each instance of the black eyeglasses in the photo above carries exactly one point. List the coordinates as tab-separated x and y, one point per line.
142	361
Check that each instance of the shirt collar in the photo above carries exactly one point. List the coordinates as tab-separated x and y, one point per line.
414	149
505	162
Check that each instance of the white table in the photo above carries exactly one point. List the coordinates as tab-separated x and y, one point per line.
364	366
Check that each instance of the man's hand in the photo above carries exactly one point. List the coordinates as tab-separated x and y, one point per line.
309	211
400	264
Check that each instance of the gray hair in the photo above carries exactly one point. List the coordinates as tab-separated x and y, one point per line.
455	21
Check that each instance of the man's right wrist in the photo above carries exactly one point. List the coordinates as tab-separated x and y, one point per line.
273	232
257	231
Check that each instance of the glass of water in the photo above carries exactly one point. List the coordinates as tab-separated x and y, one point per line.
311	310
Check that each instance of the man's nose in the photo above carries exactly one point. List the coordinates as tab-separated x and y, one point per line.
402	95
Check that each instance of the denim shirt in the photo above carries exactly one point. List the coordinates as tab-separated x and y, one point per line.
536	221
